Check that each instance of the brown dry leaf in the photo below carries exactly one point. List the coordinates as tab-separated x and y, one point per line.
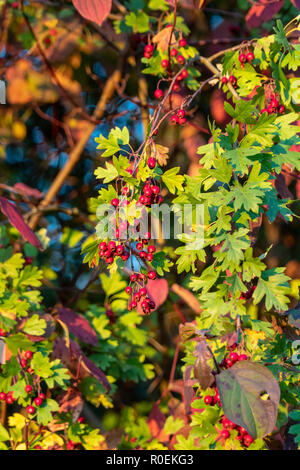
71	401
162	154
18	92
162	39
202	370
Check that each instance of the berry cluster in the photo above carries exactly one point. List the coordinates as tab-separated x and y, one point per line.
232	79
38	401
178	118
111	250
137	290
248	57
273	106
150	195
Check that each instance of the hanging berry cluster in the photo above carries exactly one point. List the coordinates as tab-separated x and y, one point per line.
273	106
138	292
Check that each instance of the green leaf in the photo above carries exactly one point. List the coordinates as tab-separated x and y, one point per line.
107	174
35	326
172	180
4	436
138	21
242	390
273	285
44	412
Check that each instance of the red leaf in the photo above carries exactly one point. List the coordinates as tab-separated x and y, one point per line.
156	421
265	10
17	221
28	191
157	291
78	364
93	10
78	326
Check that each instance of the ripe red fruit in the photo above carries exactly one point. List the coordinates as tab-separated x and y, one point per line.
184	73
133	277
120	250
47	40
152	275
144	304
2	332
42	396
181	121
208	400
274	103
115	202
125	256
164	63
28	389
30	410
149	48
147	236
174	119
28	354
147	191
247	440
81	420
142	277
139	246
150	257
225	433
70	445
23	363
270	109
232	80
158	93
181	113
109	260
281	109
128	290
142	254
176	87
111	245
151	249
151	162
102	246
155	189
2	396
133	304
15	5
143	291
182	42
224	80
227	424
264	110
9	399
250	56
233	356
242	58
38	401
173	52
243	357
180	59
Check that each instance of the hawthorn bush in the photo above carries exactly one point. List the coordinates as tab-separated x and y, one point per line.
114	334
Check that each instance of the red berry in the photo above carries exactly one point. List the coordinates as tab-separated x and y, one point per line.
281	109
115	202
30	410
224	80
184	74
274	103
142	277
182	42
176	87
150	257
47	40
208	400
120	250
133	277
144	304
52	32
42	396
158	93
23	363
155	189
242	58
264	110
28	389
225	433
38	401
147	236
128	290
149	48
9	399
2	332
15	5
133	304
139	246
232	80
164	63
143	291
70	445
173	52
247	440
152	275
151	249
243	357
2	396
181	113
227	424
270	109
142	254
233	356
250	56
181	121
109	260
174	119
111	245
151	162
81	420
28	354
180	59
